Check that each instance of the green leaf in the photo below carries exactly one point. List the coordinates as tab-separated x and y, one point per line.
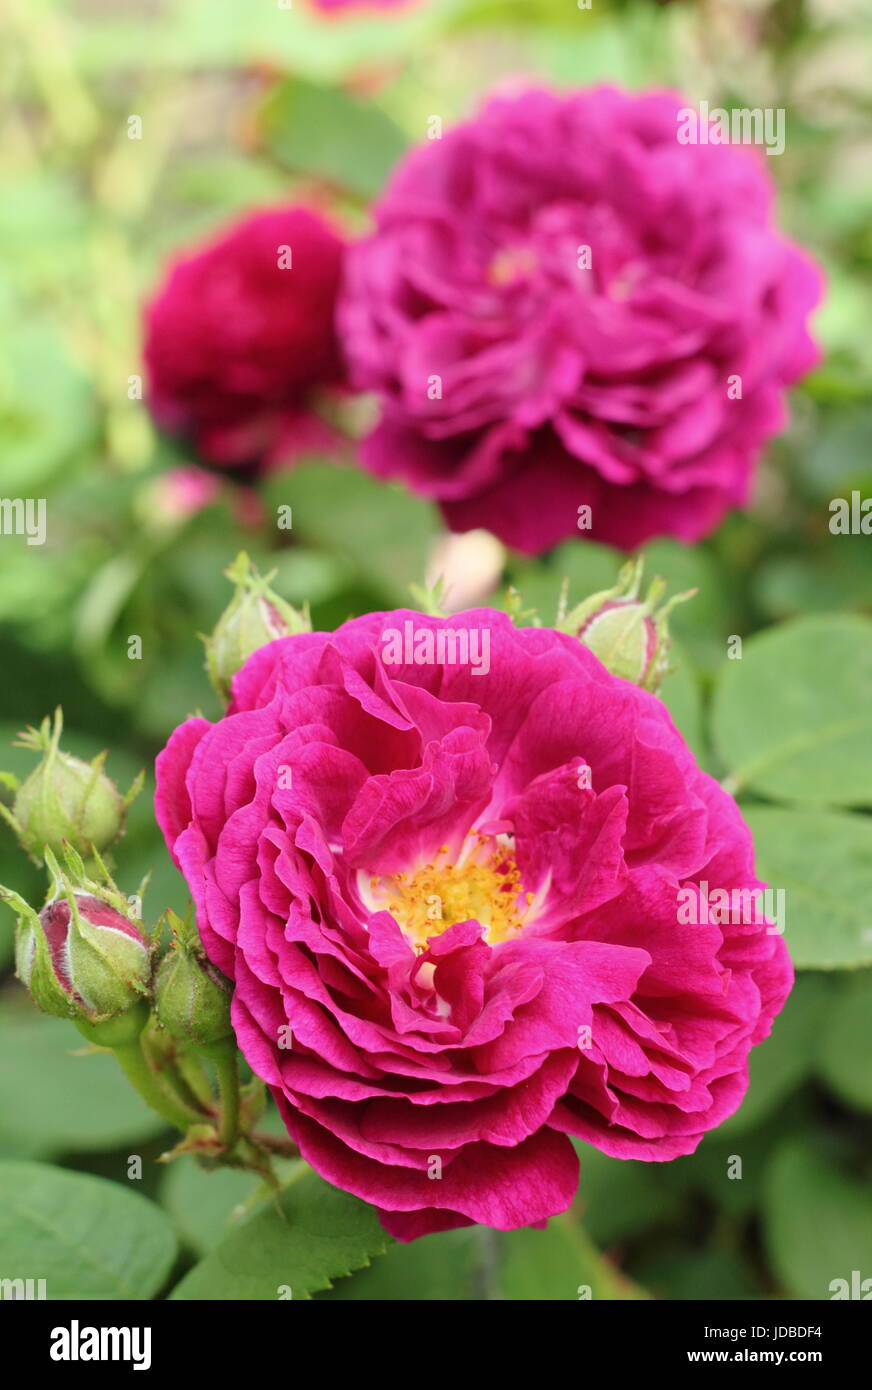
845	1060
53	1102
328	133
88	1238
783	1060
205	1205
793	718
559	1264
443	1267
311	1235
818	1222
823	862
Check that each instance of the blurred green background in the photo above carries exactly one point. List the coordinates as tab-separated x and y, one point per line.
246	104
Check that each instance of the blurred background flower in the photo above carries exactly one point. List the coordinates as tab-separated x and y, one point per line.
241	336
564	307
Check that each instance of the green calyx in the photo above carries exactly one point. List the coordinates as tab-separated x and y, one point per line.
83	956
628	633
192	998
64	800
255	616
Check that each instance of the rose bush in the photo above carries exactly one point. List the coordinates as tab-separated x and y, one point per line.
457	884
557	308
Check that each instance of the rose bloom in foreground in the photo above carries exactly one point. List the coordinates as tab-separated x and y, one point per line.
241	336
458	885
555	309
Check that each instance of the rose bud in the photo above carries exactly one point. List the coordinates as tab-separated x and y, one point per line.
254	616
65	799
628	633
192	997
83	956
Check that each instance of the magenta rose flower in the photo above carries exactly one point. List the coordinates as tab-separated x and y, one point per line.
448	863
563	307
241	337
362	4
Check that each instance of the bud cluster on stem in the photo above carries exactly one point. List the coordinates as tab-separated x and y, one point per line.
85	955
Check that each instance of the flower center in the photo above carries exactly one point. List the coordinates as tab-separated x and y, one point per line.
484	887
512	263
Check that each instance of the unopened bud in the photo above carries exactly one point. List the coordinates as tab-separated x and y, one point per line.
254	617
65	799
628	633
83	956
192	998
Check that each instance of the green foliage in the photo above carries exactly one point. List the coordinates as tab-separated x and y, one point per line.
818	1221
324	133
823	862
793	719
303	1240
56	1096
846	1045
86	1237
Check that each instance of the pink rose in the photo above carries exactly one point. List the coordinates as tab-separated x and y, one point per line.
448	864
241	335
557	309
361	4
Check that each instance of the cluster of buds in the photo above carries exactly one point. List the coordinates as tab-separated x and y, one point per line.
84	955
255	615
628	633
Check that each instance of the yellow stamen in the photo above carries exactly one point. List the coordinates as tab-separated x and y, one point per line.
485	887
512	263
